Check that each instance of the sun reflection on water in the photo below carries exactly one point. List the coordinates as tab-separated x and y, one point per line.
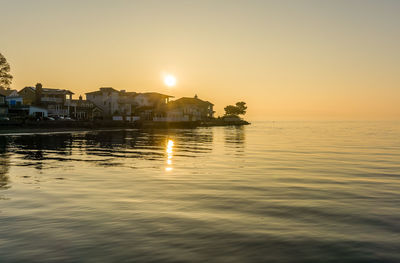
170	146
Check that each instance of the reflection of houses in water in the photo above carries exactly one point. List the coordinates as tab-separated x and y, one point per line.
4	168
124	144
149	145
39	147
61	143
4	164
235	137
235	134
42	151
201	136
108	139
194	141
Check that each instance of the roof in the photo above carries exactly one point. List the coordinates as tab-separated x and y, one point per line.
6	92
57	91
190	101
51	91
155	94
103	89
132	94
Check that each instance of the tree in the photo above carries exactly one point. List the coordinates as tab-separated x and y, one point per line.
241	106
5	76
230	110
239	109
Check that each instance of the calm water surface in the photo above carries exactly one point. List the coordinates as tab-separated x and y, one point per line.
269	192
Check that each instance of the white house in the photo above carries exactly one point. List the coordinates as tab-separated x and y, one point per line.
37	111
111	101
122	105
24	110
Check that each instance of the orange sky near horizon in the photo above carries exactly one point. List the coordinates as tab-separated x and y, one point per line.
325	60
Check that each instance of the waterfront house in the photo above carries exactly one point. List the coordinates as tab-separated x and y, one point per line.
123	105
56	101
84	109
150	104
186	109
111	101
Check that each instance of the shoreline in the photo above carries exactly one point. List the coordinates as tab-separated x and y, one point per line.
9	128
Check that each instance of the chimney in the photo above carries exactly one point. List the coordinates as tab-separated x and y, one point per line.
80	97
38	94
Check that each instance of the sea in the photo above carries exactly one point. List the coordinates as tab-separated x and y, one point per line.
273	191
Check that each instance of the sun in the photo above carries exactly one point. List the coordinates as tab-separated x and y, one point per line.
169	80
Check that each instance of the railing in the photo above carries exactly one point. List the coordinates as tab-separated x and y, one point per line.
58	111
49	99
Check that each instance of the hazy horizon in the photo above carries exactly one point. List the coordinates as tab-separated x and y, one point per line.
290	60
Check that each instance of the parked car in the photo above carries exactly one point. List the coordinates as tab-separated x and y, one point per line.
57	118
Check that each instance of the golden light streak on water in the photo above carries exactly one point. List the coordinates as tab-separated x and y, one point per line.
170	147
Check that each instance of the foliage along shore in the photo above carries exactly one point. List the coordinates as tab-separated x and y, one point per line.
66	126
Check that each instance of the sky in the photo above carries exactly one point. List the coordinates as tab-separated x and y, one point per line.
291	60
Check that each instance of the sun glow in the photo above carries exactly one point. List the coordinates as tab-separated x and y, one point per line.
169	151
169	80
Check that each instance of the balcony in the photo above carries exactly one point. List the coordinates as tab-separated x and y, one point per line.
50	99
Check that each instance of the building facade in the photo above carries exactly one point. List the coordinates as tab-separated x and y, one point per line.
84	110
27	110
187	109
110	101
122	105
56	101
148	105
